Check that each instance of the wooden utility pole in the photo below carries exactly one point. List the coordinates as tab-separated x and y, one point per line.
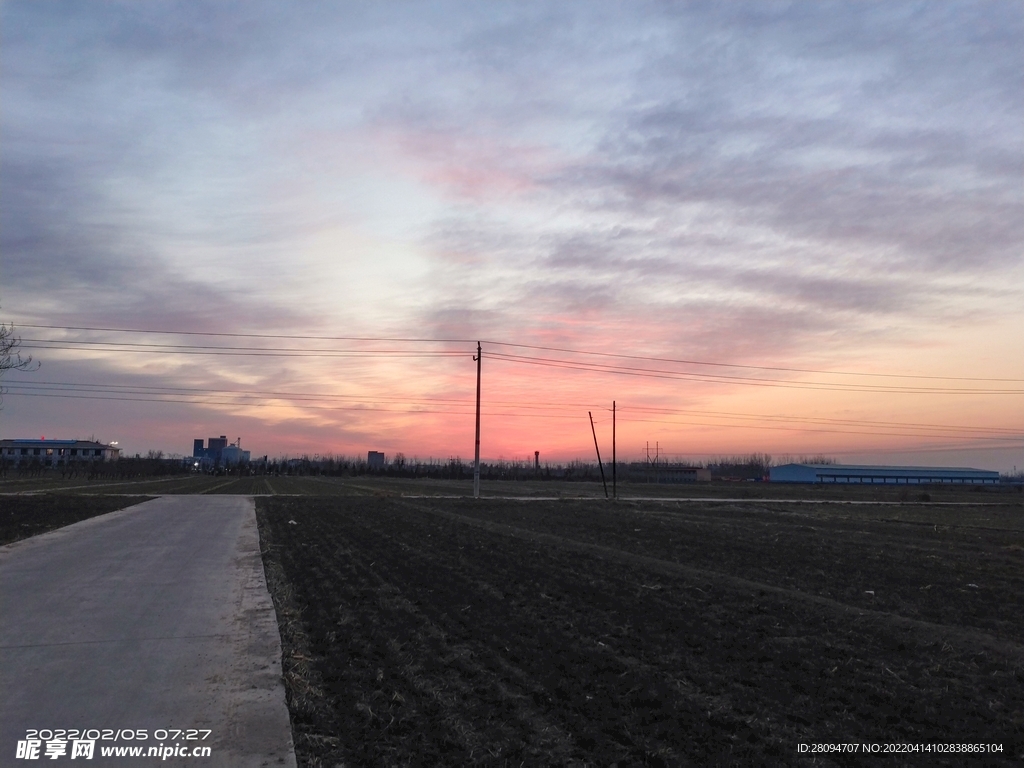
476	461
615	487
599	464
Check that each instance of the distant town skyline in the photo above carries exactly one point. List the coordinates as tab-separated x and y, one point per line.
781	228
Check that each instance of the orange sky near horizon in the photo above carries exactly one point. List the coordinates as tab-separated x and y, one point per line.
806	222
423	406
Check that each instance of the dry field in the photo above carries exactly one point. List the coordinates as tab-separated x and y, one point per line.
419	628
499	632
292	485
25	516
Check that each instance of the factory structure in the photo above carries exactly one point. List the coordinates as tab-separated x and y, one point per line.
53	453
662	472
218	453
881	475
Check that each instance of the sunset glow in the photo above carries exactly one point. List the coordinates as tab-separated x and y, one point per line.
790	229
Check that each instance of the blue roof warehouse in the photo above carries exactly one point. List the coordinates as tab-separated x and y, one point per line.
881	475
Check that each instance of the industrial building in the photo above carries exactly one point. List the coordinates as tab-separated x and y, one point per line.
655	472
218	452
375	459
880	475
52	453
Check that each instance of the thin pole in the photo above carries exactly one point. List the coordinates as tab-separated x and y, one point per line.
599	464
476	462
615	487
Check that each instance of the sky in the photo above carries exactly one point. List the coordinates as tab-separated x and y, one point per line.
785	228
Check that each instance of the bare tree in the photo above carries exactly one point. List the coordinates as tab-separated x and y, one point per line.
10	357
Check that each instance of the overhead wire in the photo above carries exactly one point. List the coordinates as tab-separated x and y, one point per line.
186	349
275	394
248	398
605	368
262	399
233	403
623	410
496	342
819	420
745	381
813	430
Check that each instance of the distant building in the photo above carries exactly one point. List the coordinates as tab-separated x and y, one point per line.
880	475
217	451
375	460
643	471
51	453
232	454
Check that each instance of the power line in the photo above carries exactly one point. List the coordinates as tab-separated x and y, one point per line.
132	345
412	339
255	398
752	367
42	386
524	359
46	385
933	449
1001	438
236	404
93	346
566	350
575	407
745	381
822	420
230	398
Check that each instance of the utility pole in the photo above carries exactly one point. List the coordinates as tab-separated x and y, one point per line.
476	463
599	464
615	487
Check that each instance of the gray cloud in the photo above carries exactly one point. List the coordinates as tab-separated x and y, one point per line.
876	145
891	202
754	177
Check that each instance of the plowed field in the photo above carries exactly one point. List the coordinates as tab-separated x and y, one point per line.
445	631
25	516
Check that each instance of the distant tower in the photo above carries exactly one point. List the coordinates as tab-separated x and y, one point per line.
214	447
536	461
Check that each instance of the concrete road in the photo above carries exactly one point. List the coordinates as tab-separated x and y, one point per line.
154	618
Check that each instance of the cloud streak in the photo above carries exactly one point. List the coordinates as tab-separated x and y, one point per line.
826	184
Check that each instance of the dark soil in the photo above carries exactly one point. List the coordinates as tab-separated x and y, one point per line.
451	632
24	516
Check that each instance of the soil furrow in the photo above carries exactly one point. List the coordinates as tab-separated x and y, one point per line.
452	632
